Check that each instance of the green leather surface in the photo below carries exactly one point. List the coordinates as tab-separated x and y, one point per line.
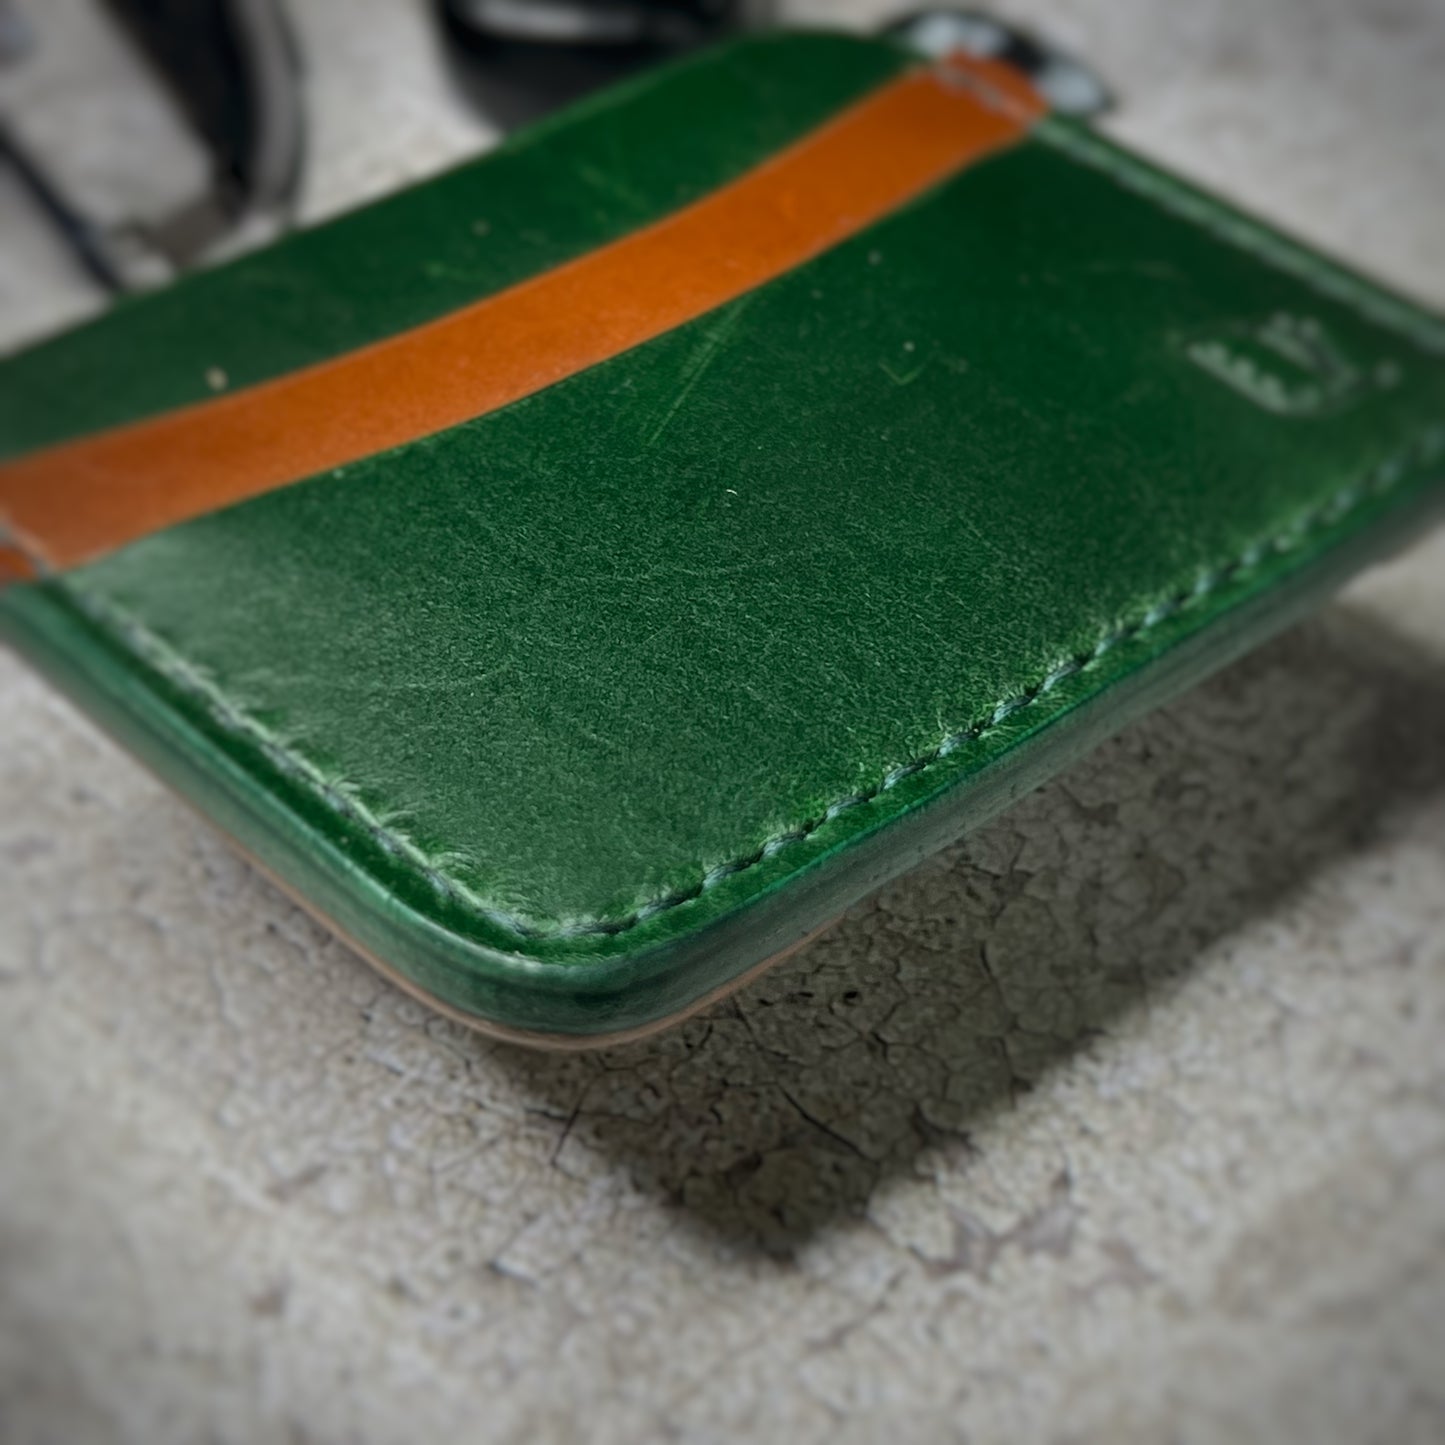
579	709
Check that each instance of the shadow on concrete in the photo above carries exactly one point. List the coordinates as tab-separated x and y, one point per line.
931	1007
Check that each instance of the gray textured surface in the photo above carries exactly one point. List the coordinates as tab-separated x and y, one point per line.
1123	1121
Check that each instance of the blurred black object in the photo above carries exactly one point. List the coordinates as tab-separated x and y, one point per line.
518	59
232	70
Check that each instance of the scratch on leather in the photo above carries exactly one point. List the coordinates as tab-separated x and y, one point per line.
708	349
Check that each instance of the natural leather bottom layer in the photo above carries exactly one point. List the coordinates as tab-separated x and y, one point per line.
528	1038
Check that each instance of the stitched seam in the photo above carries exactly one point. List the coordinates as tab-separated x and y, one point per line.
1244	234
1426	448
285	759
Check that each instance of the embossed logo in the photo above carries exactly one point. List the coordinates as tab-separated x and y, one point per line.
1288	364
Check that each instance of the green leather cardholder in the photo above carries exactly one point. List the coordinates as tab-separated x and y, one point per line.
580	577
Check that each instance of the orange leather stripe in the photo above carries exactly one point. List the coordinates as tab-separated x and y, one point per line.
73	502
15	566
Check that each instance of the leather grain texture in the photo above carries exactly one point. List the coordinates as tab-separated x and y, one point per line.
576	711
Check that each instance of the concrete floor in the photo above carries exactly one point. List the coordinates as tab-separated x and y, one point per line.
1123	1121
